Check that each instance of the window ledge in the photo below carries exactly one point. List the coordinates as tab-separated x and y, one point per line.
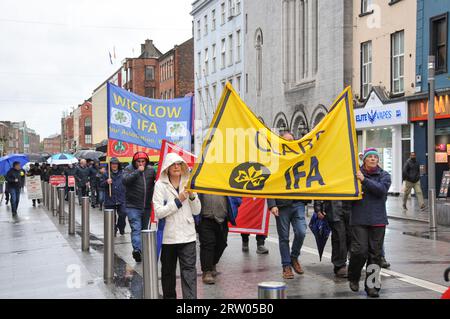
396	95
365	13
392	2
303	85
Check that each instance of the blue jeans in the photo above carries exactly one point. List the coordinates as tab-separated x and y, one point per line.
15	197
139	220
101	196
294	215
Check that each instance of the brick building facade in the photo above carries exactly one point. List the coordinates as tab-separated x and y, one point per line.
52	144
16	137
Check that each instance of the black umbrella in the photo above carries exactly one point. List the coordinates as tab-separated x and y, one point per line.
321	231
37	158
89	155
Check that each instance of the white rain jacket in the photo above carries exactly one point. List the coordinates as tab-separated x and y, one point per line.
179	225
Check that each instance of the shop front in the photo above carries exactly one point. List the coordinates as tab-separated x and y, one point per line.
384	125
418	112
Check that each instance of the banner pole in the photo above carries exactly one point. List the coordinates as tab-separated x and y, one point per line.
109	177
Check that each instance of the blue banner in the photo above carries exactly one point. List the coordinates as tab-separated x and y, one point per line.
146	122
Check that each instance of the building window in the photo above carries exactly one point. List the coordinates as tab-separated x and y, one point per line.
199	59
213	58
223	84
87	130
438	45
366	6
129	75
230	49
223	54
222	13
208	98
206	62
149	73
366	68
300	41
213	20
206	25
230	8
238	84
150	92
199	34
214	97
398	60
246	82
238	45
238	7
258	47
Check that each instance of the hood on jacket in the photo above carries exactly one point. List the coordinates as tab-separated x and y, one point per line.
170	159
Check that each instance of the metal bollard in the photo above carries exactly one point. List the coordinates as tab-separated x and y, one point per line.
52	199
47	193
71	213
85	223
43	192
108	244
272	290
61	212
55	200
150	264
432	205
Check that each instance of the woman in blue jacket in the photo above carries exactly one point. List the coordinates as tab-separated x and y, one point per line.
368	221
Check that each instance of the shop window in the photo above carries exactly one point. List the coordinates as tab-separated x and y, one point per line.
438	42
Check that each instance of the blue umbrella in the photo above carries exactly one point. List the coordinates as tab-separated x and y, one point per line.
7	161
321	231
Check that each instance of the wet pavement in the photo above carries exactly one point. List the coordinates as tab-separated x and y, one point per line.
37	258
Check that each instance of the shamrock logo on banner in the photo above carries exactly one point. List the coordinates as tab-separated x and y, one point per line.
250	176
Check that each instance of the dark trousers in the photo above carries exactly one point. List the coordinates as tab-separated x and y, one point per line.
94	195
82	192
260	239
34	201
120	217
366	246
187	255
15	198
341	238
213	241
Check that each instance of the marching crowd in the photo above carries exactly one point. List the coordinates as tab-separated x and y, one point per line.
358	227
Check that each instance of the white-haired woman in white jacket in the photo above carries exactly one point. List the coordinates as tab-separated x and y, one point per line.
177	206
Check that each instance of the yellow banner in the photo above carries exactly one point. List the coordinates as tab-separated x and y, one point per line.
242	157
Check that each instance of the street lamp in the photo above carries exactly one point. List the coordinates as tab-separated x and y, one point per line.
431	145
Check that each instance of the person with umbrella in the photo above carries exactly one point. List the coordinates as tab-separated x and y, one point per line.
289	212
71	170
337	214
368	220
14	177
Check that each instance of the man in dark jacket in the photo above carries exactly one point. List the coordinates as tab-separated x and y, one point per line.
71	170
368	220
337	213
289	212
139	181
35	171
411	176
82	179
117	199
13	177
93	183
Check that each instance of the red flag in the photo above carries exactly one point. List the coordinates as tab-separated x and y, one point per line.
252	218
166	148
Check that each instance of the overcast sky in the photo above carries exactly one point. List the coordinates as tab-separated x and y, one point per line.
54	53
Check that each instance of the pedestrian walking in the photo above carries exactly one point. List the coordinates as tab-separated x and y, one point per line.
177	206
337	213
116	200
14	178
101	186
260	241
215	213
289	212
93	183
82	179
368	221
35	171
411	176
71	170
139	180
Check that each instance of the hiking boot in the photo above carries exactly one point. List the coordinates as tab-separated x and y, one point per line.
287	272
372	292
354	285
297	267
208	278
262	250
214	271
245	247
341	272
384	263
122	232
404	207
137	256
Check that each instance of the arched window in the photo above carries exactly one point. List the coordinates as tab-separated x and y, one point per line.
318	115
299	124
87	130
281	123
258	46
